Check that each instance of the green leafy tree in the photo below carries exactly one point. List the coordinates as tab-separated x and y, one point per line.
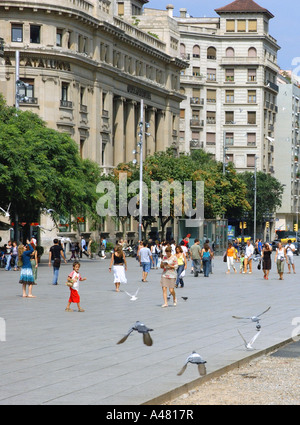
41	168
269	193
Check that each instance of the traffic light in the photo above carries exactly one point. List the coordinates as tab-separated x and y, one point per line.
245	225
295	227
241	224
267	224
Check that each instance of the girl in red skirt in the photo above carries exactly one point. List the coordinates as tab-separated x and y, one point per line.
73	282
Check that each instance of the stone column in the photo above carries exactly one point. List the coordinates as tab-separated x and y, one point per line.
130	130
150	140
118	126
108	107
160	142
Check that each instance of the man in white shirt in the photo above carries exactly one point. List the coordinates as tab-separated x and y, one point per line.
249	250
290	249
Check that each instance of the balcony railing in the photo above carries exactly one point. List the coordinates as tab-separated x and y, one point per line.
29	100
66	104
196	144
196	123
272	86
196	101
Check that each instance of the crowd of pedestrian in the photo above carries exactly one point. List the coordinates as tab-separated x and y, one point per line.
260	253
171	257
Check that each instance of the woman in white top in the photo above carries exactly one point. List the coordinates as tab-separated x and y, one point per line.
279	259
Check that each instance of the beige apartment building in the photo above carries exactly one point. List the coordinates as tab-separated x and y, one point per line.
230	84
86	66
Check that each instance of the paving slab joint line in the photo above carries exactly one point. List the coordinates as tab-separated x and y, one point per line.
183	389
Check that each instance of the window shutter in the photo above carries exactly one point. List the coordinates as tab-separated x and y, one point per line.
230	25
252	25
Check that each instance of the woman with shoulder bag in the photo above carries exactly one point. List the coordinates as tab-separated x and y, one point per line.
279	259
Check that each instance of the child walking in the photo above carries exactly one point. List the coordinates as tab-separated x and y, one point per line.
73	282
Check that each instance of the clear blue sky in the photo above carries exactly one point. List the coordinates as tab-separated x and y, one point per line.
285	26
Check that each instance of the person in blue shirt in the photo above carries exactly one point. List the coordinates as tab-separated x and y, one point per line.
26	277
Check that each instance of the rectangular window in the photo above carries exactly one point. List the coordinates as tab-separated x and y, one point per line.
241	25
182	113
196	93
17	33
120	9
229	139
229	158
251	117
211	96
251	139
252	25
230	25
250	161
251	75
64	91
211	117
251	96
195	115
64	102
195	135
229	97
59	34
211	74
229	117
196	71
26	91
210	139
229	74
35	34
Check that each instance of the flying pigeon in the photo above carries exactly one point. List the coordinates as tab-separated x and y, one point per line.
141	328
254	319
249	344
7	211
133	297
194	358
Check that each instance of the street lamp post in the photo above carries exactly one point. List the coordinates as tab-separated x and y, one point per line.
255	195
141	140
19	84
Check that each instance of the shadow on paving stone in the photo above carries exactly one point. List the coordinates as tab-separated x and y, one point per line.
291	350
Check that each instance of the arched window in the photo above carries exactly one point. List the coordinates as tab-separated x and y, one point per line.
211	53
252	53
230	52
196	51
182	51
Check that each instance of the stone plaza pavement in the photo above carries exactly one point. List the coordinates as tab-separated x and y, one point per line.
52	357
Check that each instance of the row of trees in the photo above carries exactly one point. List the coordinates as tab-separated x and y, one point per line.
41	169
230	195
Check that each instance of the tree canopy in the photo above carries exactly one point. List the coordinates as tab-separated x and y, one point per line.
41	168
268	194
223	194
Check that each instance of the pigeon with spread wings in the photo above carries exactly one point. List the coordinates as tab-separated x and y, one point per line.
6	212
133	297
249	344
254	319
140	328
194	358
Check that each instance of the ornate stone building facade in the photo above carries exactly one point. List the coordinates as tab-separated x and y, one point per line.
86	66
